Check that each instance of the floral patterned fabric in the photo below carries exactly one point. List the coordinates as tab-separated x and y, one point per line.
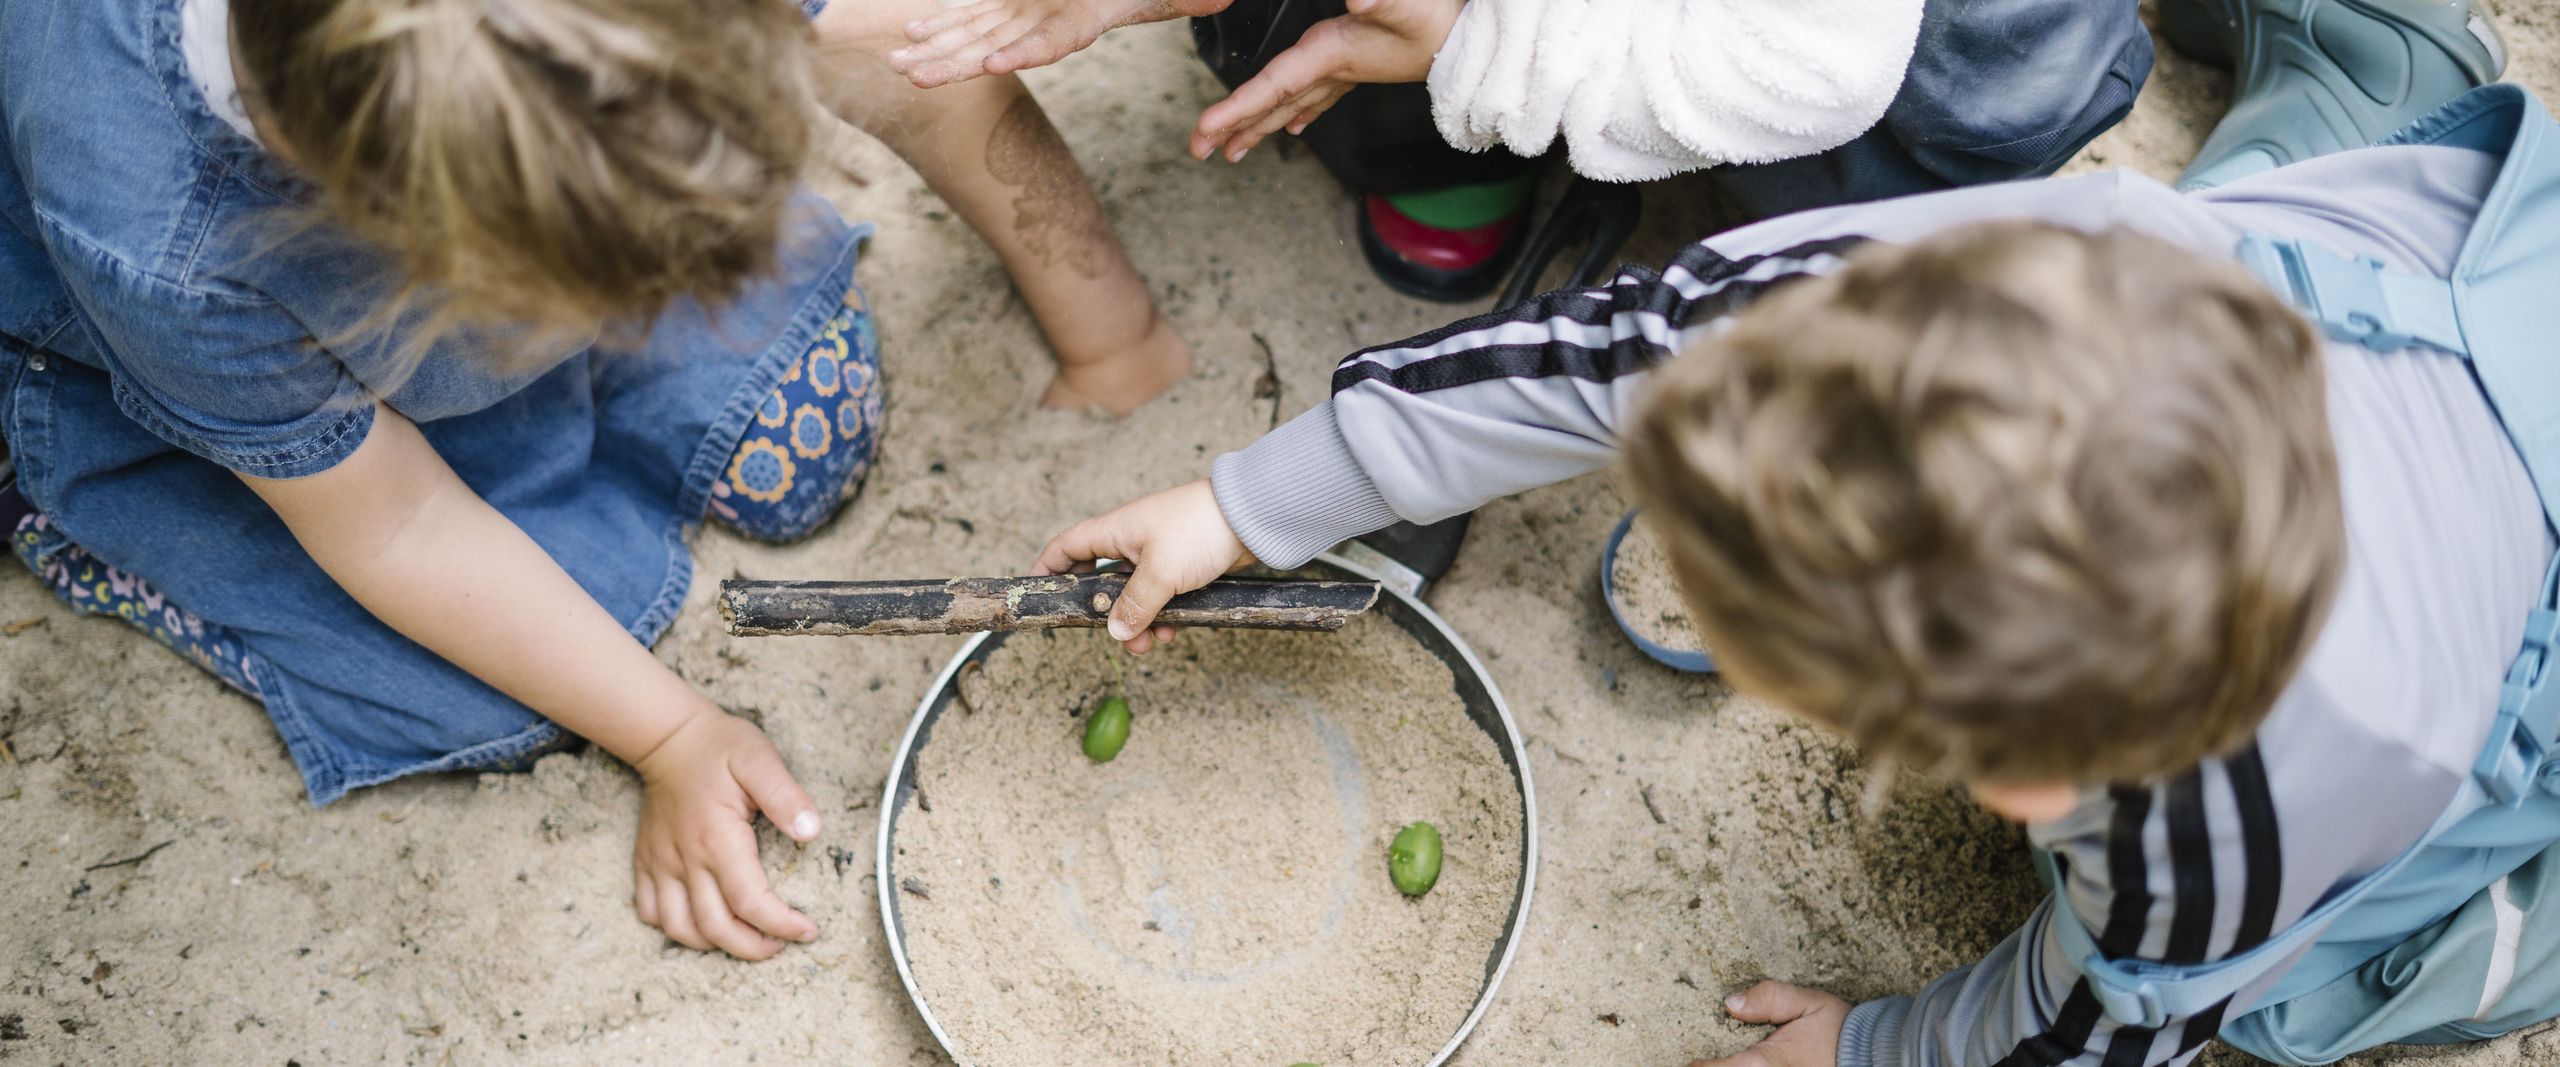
93	588
812	440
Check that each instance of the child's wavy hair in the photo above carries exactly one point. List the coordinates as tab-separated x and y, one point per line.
2015	503
553	166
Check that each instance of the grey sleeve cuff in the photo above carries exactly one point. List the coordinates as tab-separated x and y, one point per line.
1872	1035
1298	491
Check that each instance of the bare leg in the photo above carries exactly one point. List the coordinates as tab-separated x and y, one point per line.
990	151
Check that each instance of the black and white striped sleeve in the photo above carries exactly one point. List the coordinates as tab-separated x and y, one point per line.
1439	424
2186	870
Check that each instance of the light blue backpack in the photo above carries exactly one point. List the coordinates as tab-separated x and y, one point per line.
2482	961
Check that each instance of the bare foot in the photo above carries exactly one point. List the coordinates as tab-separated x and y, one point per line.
1004	36
1122	381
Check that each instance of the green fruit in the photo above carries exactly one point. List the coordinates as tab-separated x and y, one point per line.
1413	861
1109	729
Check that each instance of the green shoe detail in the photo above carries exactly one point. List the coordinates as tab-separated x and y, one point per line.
1465	207
2321	76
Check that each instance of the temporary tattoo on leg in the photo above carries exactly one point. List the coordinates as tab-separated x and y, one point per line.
1055	214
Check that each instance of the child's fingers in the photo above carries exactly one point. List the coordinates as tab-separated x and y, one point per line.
1324	101
1254	99
1155	637
1080	543
1315	59
677	914
778	795
1775	1002
1263	125
930	26
1046	42
1004	34
967	61
739	872
711	916
644	895
1140	600
946	41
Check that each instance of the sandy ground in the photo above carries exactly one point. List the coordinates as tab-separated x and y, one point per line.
1692	842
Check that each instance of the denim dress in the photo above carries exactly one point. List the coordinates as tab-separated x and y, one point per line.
168	318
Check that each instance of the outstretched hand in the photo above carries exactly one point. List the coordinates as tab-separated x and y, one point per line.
1808	1022
1004	36
1380	41
695	864
1175	541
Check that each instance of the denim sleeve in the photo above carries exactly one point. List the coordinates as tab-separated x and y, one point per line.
234	379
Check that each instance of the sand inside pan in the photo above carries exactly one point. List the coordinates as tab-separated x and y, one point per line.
1218	893
1648	597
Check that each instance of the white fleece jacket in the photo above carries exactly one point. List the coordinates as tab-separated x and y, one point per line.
1643	89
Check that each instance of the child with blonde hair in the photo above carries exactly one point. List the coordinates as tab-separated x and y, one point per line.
2210	536
382	355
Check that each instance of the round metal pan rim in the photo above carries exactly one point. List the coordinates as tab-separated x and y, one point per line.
1516	755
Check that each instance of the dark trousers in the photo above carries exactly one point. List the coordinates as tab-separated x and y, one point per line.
1997	90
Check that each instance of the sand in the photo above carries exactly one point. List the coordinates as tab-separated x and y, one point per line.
1648	597
470	920
1218	893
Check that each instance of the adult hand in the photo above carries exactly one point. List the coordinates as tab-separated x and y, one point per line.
1808	1023
1380	41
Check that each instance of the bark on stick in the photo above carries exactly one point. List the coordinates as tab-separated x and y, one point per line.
971	605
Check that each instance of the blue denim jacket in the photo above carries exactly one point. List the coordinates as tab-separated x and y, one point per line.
167	318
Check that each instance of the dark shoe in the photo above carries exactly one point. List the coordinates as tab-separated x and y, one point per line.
2321	76
1450	245
1598	215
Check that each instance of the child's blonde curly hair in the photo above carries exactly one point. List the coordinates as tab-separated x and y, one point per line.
2016	503
561	165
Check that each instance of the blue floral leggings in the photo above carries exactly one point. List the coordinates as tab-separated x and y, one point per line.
803	457
812	439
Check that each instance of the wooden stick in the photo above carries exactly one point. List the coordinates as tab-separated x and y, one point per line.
970	605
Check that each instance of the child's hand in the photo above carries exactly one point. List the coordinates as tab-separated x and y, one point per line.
1003	36
1808	1026
698	875
1380	41
1176	540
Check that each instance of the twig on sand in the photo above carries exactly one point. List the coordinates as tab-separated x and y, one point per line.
22	626
1269	387
1650	808
960	685
131	861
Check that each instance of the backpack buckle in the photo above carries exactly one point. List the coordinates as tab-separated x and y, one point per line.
2356	300
2519	748
2129	998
